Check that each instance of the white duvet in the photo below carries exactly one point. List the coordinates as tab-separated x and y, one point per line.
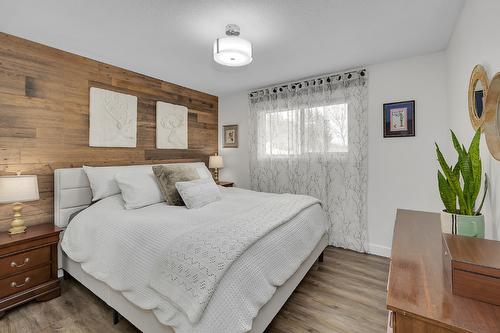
121	247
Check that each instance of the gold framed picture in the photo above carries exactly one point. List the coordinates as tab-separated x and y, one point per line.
230	139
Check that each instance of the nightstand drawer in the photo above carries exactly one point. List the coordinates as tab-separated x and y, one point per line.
23	261
23	281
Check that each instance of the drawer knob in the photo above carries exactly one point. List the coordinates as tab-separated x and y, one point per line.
14	264
15	285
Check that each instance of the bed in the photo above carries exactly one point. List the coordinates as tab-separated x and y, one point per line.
250	292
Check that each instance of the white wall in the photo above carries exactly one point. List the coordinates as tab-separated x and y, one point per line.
233	109
402	172
475	41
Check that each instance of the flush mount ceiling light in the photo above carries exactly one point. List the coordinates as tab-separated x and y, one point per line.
232	50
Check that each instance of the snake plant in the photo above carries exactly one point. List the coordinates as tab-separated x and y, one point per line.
462	182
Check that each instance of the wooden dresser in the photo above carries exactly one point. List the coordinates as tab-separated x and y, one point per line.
28	266
419	295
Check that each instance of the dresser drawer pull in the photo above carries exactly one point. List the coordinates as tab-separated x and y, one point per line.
15	285
14	264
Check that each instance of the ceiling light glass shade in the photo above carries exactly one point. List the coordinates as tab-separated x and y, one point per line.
232	51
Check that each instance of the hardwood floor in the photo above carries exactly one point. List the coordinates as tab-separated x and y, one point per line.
344	294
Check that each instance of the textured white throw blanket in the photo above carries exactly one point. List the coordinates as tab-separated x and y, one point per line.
192	265
121	247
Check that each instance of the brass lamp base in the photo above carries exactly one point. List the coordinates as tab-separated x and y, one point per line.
17	230
17	225
216	174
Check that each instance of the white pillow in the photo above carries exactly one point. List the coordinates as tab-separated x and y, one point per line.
139	189
102	179
199	192
201	168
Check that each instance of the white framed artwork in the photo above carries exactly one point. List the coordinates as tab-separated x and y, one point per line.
171	126
113	119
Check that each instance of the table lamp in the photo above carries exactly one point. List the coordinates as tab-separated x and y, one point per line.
216	162
18	189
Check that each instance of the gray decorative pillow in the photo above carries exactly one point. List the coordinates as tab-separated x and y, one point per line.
168	175
198	193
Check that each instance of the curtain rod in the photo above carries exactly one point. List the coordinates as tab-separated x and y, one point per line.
361	70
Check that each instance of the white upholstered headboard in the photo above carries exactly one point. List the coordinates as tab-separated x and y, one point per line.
72	193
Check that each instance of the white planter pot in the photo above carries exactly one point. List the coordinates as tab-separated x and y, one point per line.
465	225
447	220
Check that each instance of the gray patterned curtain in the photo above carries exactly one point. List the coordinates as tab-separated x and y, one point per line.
311	137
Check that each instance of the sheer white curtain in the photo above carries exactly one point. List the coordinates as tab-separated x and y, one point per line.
310	137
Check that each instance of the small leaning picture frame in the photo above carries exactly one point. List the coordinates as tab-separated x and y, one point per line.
399	119
230	136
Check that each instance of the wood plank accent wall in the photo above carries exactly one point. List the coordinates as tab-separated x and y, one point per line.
44	118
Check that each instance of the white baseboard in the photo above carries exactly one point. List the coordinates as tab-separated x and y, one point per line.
379	250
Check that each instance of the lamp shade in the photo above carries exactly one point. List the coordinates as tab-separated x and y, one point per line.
232	51
18	189
215	162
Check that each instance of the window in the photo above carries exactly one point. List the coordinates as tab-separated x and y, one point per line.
309	130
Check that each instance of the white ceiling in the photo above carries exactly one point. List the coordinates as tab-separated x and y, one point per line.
172	39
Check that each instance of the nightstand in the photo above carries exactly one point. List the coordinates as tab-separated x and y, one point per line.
225	184
28	266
